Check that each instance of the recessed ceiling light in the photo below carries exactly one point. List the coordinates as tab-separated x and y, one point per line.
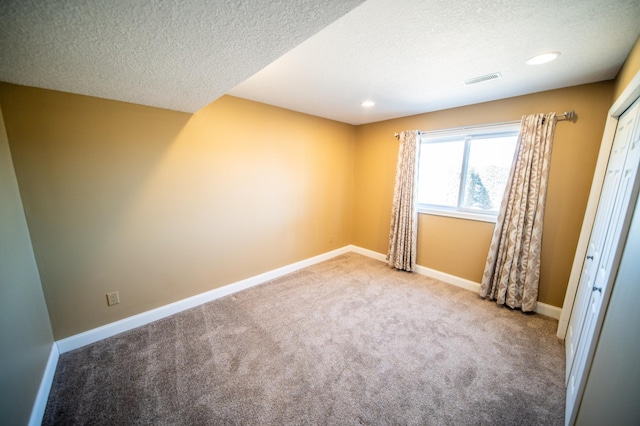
543	59
368	104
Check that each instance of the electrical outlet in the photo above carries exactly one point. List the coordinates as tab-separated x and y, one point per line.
113	298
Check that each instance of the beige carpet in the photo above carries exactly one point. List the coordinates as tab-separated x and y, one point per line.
348	341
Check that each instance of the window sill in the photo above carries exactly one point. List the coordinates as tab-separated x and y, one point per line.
460	215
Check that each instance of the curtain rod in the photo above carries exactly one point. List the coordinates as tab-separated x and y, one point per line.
565	116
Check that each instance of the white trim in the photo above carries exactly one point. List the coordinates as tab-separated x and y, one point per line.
548	310
473	130
624	101
369	253
541	308
108	330
460	214
448	278
40	403
627	97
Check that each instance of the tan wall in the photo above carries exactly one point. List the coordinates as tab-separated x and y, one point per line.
161	205
25	331
629	69
459	247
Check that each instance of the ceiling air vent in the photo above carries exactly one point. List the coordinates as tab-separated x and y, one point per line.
483	78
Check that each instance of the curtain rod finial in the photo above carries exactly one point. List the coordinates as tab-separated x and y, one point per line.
571	115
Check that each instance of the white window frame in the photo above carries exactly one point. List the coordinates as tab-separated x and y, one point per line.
466	133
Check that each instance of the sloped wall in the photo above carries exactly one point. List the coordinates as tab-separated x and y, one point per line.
160	205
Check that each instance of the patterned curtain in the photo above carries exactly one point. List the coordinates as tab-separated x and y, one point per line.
512	272
403	233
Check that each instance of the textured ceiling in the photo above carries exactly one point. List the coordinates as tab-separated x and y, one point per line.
176	54
321	57
413	56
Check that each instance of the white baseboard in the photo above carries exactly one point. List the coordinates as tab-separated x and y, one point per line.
369	253
448	278
541	308
40	404
108	330
117	327
548	310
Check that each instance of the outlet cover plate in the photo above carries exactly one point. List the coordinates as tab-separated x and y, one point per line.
113	298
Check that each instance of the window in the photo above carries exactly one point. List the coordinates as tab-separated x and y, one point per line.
463	173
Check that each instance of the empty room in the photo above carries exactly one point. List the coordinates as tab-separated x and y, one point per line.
319	212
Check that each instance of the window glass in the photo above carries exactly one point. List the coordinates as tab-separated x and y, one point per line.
465	173
440	166
488	170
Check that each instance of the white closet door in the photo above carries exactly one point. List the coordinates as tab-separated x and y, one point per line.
611	223
611	184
